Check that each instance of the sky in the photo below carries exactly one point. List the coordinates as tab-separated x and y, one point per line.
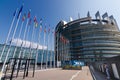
51	12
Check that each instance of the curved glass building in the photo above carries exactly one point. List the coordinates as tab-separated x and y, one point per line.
87	39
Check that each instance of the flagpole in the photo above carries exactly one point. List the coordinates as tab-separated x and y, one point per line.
22	44
47	52
37	48
17	40
43	49
53	47
33	32
8	34
25	40
25	43
31	42
57	52
38	41
29	22
51	53
24	35
53	50
32	51
8	52
28	25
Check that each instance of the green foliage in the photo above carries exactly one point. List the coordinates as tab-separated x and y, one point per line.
70	67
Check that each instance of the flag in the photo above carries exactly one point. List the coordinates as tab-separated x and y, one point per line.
88	14
105	15
111	17
20	11
97	15
41	21
29	13
49	29
45	29
24	16
35	19
35	22
40	24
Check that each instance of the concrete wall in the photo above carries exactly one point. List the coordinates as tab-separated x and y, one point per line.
113	64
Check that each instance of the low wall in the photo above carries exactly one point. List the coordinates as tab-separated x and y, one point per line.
113	64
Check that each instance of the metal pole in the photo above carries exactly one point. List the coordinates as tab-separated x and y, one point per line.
21	48
53	48
17	40
25	41
38	44
47	51
51	53
8	52
31	45
27	32
8	35
57	50
35	21
43	50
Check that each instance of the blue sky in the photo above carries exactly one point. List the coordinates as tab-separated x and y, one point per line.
52	11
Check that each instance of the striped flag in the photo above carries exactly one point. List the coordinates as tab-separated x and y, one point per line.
24	16
49	29
35	19
29	13
35	22
45	28
40	24
20	11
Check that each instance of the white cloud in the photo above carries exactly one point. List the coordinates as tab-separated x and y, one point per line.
27	44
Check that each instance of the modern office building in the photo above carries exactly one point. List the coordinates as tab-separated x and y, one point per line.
87	39
25	52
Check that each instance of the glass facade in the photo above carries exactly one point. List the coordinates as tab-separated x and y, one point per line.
86	39
26	54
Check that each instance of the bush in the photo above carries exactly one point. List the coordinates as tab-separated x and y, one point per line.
70	67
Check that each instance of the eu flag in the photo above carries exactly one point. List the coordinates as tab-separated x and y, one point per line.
20	11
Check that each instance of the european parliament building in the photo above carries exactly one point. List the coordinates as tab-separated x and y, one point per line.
87	39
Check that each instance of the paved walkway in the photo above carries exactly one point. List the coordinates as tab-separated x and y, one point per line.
59	74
